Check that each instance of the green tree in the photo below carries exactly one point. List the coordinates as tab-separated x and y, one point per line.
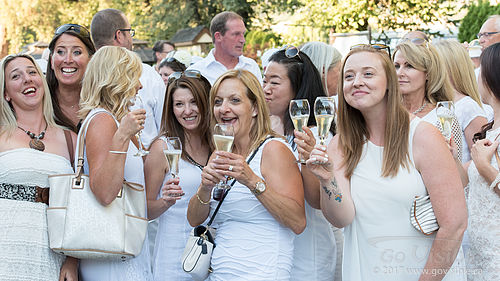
476	16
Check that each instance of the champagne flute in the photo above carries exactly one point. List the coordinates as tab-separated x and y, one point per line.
223	138
299	112
173	153
324	112
136	103
445	111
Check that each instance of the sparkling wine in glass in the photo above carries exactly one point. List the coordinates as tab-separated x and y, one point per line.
173	153
299	113
223	138
136	103
324	112
445	111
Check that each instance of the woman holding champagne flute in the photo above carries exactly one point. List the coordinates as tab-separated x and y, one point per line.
292	83
263	210
168	187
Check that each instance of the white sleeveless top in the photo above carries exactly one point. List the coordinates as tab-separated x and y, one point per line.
135	269
381	243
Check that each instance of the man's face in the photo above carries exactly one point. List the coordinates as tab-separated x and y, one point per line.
232	42
167	48
486	40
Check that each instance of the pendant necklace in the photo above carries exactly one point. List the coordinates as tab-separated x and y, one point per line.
420	109
35	142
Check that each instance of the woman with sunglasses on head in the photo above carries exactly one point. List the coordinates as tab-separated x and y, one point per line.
176	61
483	256
424	82
70	51
265	207
185	115
111	148
32	147
381	158
291	75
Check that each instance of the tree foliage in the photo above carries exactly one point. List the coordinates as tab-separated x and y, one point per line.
476	16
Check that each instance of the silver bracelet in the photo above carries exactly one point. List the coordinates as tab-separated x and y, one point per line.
495	182
117	152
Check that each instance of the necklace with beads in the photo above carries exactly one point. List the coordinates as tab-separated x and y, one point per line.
420	108
35	142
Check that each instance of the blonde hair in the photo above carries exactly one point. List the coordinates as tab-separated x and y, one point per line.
8	119
460	68
425	58
352	129
261	127
110	81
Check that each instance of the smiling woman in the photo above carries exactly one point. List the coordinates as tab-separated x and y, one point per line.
70	52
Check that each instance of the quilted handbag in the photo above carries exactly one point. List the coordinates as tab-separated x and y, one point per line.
79	226
422	215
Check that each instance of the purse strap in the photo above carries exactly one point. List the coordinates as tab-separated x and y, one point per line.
234	181
71	149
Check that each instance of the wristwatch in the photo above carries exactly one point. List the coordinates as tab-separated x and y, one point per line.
260	187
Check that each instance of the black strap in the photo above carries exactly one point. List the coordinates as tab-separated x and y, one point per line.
234	181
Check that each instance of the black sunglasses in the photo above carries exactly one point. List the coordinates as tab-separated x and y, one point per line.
74	27
192	73
377	47
291	51
131	30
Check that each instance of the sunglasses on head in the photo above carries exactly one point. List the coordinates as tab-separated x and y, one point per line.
417	41
188	73
291	51
377	47
72	27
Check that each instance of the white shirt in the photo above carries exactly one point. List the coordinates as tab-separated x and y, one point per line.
152	95
212	69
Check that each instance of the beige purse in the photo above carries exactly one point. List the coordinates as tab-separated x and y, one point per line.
79	226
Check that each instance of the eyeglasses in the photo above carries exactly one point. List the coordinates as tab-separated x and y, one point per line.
74	27
377	47
486	34
192	73
131	30
291	51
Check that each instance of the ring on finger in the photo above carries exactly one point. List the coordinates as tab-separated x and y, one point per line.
231	168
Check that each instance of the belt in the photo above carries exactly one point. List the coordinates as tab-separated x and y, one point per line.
21	192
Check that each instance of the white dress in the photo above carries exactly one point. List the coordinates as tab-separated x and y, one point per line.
483	257
135	269
315	255
466	110
250	243
173	228
24	244
381	243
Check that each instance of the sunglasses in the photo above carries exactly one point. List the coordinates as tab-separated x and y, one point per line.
74	27
131	30
378	47
291	51
416	41
188	73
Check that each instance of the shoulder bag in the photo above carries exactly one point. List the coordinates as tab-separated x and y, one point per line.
198	252
79	226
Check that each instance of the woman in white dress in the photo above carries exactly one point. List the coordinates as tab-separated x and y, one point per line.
291	75
261	212
185	115
424	82
483	257
32	147
110	82
371	172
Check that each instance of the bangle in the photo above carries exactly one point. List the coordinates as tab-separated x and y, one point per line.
495	182
201	201
118	152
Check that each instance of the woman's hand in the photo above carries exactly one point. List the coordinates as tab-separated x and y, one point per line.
235	166
171	192
132	123
209	175
319	163
305	142
69	270
482	152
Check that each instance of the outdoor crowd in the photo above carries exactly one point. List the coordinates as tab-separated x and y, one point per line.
342	213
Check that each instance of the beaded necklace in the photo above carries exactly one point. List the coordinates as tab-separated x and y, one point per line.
35	142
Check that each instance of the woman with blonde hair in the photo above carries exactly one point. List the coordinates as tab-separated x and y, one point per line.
423	81
265	207
109	84
468	107
381	158
32	147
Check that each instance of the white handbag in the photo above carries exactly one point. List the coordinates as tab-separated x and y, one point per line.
79	226
198	253
422	215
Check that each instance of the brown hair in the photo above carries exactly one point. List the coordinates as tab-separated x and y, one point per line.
104	25
218	23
